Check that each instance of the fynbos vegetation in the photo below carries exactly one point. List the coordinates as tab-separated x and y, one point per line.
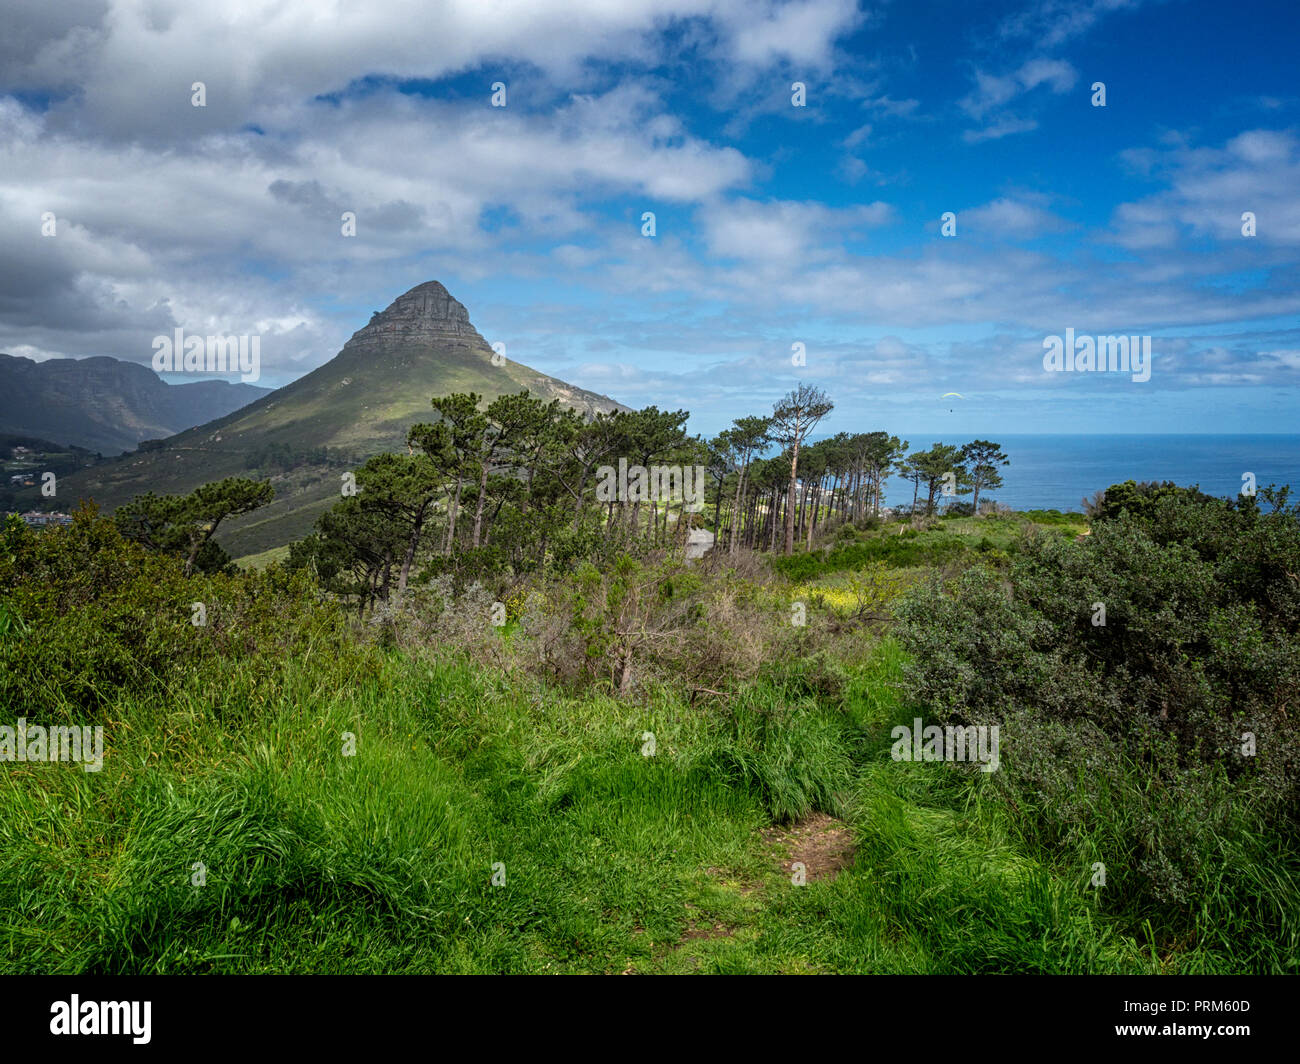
494	680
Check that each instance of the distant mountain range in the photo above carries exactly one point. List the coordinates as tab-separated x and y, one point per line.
357	405
106	405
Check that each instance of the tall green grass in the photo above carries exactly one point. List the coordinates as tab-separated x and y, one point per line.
383	861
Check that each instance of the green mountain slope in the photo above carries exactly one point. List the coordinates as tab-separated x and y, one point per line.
358	404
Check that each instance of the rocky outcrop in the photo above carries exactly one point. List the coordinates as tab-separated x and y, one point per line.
429	317
427	314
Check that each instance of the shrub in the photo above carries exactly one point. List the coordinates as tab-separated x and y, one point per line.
1140	499
91	614
1132	731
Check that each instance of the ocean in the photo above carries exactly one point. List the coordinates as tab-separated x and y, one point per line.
1057	472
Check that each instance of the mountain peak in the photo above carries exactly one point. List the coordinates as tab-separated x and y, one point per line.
360	403
426	314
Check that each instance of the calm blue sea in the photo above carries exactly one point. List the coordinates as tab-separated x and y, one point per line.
1056	472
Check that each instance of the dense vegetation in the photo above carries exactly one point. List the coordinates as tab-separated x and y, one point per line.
515	487
477	725
1144	681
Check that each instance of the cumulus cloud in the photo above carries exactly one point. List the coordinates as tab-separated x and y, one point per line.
129	65
1012	219
1209	189
801	32
227	218
783	231
136	225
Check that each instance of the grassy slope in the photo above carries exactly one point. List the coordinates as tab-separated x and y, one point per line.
383	861
827	573
262	559
614	862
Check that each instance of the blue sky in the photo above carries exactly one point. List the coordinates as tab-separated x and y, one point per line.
775	224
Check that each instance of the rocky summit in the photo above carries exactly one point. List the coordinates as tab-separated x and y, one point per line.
427	314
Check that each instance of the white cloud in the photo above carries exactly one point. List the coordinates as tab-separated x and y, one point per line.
858	137
891	108
170	214
801	32
1052	22
132	63
1209	189
1011	218
992	93
783	231
1057	74
1003	128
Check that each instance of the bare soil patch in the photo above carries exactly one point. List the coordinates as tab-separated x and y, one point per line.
821	843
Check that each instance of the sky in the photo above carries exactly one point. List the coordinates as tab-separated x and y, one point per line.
782	232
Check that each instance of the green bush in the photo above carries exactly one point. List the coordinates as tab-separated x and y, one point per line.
90	614
1052	517
1140	499
1123	742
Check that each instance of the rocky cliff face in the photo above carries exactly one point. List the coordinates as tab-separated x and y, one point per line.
429	320
427	314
